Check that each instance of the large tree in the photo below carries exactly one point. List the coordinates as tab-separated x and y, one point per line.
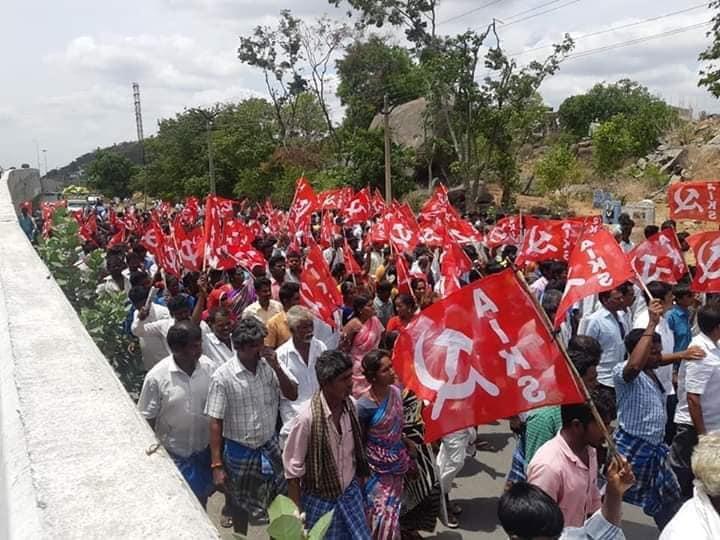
110	174
371	69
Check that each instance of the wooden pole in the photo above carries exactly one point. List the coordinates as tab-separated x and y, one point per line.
386	129
586	393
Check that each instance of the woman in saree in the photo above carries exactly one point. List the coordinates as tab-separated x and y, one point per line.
405	309
380	411
361	335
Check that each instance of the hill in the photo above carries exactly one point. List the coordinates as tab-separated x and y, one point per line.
74	170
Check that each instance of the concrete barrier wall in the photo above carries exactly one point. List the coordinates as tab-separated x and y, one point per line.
73	460
24	185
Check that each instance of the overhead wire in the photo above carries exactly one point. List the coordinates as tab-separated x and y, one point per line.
532	16
615	28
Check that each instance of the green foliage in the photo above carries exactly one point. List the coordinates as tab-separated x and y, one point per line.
653	177
102	316
557	168
612	144
604	101
286	525
369	70
110	174
710	74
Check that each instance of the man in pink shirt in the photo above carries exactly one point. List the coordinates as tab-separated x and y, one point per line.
566	466
324	454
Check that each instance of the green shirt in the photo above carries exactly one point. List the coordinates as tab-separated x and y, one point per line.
541	426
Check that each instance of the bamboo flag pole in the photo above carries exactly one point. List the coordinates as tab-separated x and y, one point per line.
586	393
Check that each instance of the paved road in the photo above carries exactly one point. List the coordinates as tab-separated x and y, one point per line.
477	490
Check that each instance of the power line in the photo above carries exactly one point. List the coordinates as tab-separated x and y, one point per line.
532	9
474	10
636	41
541	13
615	28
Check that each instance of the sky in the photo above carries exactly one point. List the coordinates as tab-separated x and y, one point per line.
67	67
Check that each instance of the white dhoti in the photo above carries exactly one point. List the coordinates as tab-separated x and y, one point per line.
451	457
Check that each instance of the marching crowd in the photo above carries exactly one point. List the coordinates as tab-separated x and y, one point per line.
253	394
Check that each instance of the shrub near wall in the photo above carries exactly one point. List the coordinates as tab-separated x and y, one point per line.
103	316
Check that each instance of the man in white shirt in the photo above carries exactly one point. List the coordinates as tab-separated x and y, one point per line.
173	400
334	254
698	409
153	347
116	282
179	309
217	344
664	373
297	357
605	326
626	228
265	307
699	518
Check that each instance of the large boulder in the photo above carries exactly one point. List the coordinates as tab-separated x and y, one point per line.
407	124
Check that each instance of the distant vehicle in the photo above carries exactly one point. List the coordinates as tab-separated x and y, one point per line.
74	205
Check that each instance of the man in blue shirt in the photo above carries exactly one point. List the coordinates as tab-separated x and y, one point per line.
641	423
27	224
679	319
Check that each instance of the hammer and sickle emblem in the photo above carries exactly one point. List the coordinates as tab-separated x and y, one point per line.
689	202
537	239
455	342
707	264
400	234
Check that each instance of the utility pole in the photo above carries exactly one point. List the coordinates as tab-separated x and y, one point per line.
209	116
37	153
386	126
45	157
140	135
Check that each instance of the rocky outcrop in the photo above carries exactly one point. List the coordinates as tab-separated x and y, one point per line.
407	124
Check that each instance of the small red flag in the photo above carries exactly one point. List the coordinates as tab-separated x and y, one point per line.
706	247
596	264
659	258
694	200
318	290
475	362
304	204
547	239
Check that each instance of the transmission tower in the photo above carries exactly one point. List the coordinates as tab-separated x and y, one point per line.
140	136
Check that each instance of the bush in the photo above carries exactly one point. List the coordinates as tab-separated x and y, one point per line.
557	168
612	144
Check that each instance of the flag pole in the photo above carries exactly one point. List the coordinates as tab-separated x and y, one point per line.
578	379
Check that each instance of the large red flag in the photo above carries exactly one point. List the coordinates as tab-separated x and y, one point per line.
597	264
659	258
436	207
706	247
304	204
694	200
432	235
351	264
318	290
461	231
507	231
547	239
189	245
476	360
358	209
401	234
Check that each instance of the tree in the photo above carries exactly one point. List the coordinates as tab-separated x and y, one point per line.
557	168
603	101
710	74
295	58
369	70
110	174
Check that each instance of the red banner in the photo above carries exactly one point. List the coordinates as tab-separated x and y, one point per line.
706	247
506	231
476	363
596	264
318	289
304	204
659	258
548	239
694	200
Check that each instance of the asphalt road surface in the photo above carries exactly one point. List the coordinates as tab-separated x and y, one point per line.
478	487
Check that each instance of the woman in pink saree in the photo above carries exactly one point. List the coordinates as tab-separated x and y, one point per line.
361	335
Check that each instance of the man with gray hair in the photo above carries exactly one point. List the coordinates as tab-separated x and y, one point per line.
699	518
297	356
324	454
242	405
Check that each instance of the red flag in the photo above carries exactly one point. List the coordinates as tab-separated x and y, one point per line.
378	233
461	231
318	289
506	231
401	235
694	200
191	211
436	207
403	274
597	264
118	237
659	258
706	247
189	245
475	362
547	239
152	237
89	228
377	203
358	209
328	229
304	204
454	262
352	265
432	235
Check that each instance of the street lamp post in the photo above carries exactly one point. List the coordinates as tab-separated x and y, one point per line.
45	158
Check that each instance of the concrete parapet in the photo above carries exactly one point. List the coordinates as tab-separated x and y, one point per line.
74	459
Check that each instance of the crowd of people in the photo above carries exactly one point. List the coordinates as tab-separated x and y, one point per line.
254	395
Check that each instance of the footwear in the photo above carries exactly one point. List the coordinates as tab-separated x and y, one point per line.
452	522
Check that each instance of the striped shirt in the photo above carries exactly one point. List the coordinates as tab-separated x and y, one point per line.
641	409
